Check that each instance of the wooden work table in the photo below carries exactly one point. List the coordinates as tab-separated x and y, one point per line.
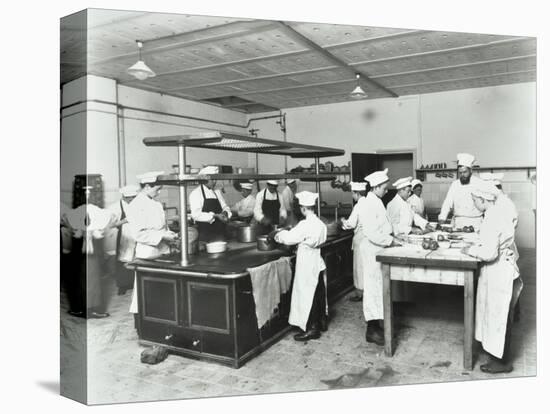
442	266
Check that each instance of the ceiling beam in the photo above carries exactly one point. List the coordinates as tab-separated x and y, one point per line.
234	62
441	51
181	44
375	39
462	65
257	78
463	79
329	55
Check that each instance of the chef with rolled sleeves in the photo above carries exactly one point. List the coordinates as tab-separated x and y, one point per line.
269	209
401	214
499	283
244	208
209	209
307	303
459	196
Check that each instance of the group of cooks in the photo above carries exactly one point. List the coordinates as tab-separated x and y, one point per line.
474	201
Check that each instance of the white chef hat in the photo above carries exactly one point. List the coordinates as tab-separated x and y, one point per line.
149	177
358	186
129	190
306	198
210	169
402	183
273	182
466	160
291	180
377	178
485	189
415	182
494	178
246	186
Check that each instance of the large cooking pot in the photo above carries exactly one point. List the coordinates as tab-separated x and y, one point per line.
247	233
265	243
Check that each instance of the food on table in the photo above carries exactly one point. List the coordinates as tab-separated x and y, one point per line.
440	237
434	245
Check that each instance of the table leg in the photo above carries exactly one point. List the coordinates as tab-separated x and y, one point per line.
388	310
468	319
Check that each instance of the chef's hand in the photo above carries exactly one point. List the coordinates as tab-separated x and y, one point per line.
430	228
416	230
169	236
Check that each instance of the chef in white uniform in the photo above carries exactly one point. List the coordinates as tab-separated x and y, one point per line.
287	195
269	209
355	221
499	284
415	200
308	291
244	208
459	197
122	239
209	209
378	235
149	224
401	214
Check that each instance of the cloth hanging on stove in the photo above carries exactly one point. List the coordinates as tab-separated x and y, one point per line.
269	282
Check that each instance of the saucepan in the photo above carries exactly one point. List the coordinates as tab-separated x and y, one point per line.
247	233
265	243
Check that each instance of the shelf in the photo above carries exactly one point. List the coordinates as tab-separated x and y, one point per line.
423	170
174	179
219	140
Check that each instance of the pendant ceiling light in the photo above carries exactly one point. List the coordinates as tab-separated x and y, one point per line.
358	92
140	70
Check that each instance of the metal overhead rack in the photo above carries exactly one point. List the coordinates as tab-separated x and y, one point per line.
227	141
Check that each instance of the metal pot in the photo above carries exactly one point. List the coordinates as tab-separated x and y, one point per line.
265	243
216	247
247	234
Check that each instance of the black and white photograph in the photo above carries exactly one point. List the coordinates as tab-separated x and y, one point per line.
254	206
274	207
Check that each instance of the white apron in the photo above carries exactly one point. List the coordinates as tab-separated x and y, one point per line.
494	293
377	230
309	234
357	260
148	226
309	264
497	274
358	215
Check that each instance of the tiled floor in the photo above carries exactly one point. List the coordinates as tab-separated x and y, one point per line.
429	350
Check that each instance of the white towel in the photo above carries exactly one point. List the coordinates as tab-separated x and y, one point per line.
269	282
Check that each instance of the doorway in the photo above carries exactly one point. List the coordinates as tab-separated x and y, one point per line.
399	164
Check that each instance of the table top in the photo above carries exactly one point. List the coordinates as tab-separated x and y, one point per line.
234	262
417	256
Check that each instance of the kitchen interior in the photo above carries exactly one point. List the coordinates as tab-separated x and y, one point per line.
324	103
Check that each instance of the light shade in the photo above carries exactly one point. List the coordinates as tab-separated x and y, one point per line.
140	70
358	93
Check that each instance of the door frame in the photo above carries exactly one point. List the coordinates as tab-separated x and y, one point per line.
401	151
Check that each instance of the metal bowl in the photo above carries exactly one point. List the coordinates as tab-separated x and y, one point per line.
265	243
216	247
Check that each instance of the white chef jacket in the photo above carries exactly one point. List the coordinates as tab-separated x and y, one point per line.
258	213
402	216
245	206
495	285
127	239
377	230
355	221
149	222
417	204
308	234
287	198
459	198
196	202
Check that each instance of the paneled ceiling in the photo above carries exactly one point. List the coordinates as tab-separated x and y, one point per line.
261	65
